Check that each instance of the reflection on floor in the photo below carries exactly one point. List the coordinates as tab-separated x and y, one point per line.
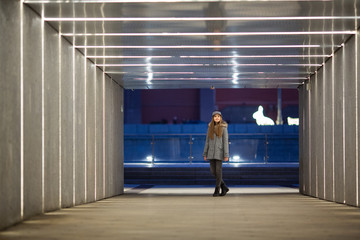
205	190
190	212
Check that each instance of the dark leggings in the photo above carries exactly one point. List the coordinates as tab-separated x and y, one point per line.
216	171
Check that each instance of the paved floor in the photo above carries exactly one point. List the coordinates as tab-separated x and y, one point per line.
192	213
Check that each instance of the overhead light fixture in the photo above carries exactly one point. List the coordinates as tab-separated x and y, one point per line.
158	1
153	65
210	33
210	65
147	19
260	56
206	46
223	79
128	57
110	72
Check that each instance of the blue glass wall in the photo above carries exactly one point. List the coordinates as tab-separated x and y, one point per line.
185	143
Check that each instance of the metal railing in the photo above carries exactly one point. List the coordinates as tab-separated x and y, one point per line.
188	148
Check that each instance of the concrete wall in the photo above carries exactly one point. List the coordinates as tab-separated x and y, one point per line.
329	123
61	121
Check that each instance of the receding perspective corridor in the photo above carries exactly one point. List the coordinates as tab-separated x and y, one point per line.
73	71
183	212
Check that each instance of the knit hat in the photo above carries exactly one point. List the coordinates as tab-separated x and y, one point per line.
216	112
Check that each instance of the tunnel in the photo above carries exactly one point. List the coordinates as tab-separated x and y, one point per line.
65	64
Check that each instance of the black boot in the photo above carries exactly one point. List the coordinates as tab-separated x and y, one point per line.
216	192
224	189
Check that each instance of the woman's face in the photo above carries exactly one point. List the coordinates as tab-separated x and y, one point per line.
217	118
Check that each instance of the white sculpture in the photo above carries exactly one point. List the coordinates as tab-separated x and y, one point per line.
261	119
293	121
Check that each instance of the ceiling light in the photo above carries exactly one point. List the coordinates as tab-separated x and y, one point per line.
214	79
146	19
147	65
210	33
129	56
260	56
209	65
158	1
208	46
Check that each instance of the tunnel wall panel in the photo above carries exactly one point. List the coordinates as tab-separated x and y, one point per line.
339	127
33	196
10	189
99	135
329	130
320	141
350	123
314	112
80	148
67	139
54	121
306	142
51	120
301	139
357	180
90	132
109	139
333	146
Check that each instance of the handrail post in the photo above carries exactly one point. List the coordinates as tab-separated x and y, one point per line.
190	143
266	149
152	150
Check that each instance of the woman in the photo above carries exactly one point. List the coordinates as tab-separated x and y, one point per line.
216	150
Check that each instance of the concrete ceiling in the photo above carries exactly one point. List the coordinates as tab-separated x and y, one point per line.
200	44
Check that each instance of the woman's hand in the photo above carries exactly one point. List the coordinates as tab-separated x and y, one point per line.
205	159
226	159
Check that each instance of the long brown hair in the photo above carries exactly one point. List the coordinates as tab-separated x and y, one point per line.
215	128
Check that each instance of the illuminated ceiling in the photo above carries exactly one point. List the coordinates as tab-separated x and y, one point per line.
200	44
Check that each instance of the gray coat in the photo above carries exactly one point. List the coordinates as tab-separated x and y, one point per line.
217	148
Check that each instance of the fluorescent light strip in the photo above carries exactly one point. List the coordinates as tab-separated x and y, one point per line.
95	134
208	65
260	56
240	73
104	134
22	110
243	56
156	1
208	46
333	125
60	125
324	125
210	33
210	79
160	1
153	72
42	112
343	124
146	65
147	19
85	128
129	56
356	121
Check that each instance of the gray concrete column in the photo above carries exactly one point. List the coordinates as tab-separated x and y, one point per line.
51	119
67	111
339	127
90	131
331	157
301	138
350	95
10	182
99	135
329	130
32	50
